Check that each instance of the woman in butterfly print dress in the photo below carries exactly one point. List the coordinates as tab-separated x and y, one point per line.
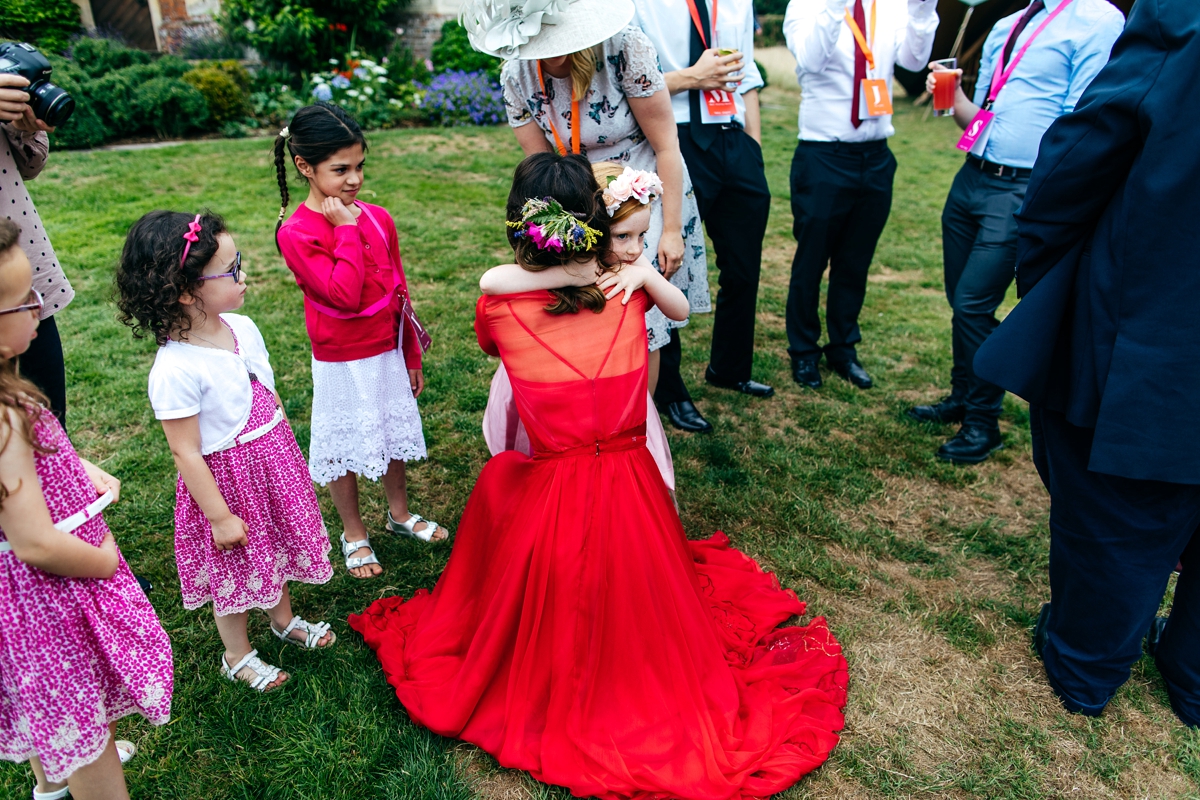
627	69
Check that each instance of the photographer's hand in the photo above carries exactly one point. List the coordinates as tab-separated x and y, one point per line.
14	105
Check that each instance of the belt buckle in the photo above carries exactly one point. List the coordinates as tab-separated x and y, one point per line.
1000	171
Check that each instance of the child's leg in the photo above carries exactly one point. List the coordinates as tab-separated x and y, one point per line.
44	786
232	628
344	491
103	779
395	486
281	617
653	362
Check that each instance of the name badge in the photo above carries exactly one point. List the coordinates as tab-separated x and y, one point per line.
876	97
975	129
719	103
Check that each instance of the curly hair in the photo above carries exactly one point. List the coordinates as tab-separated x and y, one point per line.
569	180
152	275
21	402
315	133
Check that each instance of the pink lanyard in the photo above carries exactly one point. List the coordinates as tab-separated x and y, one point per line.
999	79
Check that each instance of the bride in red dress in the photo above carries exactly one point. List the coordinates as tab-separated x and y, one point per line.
576	633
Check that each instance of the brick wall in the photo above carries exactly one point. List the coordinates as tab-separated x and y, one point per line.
421	30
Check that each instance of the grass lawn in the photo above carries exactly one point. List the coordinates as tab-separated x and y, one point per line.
929	574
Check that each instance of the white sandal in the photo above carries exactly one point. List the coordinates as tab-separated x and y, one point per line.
55	795
126	750
407	528
313	632
264	673
353	561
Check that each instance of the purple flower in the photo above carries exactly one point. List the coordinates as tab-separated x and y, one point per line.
360	72
340	82
322	92
464	98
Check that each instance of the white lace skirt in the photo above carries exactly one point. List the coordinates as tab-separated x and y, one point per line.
364	416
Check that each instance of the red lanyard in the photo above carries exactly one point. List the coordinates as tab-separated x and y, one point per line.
699	27
575	121
1001	78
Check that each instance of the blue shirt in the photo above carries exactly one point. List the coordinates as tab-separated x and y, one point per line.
1050	78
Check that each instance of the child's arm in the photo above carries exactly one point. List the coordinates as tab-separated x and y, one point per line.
512	279
102	480
183	437
27	524
641	275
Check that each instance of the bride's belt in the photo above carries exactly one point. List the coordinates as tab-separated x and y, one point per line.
622	441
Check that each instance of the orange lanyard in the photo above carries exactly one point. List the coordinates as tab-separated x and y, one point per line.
700	28
862	40
562	151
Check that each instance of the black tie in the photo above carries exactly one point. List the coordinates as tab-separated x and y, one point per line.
703	135
1034	8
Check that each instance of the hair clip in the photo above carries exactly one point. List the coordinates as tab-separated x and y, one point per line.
285	133
192	236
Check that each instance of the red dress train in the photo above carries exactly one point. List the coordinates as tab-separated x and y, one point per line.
575	632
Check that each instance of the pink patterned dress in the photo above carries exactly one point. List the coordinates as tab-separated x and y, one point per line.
264	481
75	653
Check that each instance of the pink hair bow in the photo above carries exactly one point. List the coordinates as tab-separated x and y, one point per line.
192	236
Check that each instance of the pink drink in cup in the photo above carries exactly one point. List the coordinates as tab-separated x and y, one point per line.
945	87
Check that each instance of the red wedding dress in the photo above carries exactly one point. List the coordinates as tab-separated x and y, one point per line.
576	633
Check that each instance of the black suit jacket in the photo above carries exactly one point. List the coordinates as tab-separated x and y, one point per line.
1108	331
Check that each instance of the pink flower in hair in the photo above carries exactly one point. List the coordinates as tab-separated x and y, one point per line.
539	238
632	184
555	243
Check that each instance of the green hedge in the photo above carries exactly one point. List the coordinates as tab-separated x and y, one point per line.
772	31
48	24
453	52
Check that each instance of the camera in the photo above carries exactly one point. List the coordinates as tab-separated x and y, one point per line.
51	104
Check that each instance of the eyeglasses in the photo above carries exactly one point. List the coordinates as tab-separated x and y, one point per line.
235	273
32	303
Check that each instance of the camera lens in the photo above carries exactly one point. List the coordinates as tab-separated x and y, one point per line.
51	104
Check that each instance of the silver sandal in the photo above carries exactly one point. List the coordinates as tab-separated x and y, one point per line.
407	528
354	562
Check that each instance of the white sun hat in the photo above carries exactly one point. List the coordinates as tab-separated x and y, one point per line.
534	29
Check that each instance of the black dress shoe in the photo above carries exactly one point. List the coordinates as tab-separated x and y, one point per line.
685	417
948	409
971	445
1154	636
806	373
752	388
1039	631
145	584
853	372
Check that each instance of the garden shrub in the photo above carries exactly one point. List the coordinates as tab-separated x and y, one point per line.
113	95
205	46
170	107
464	98
84	128
404	67
47	24
772	31
300	34
225	99
98	56
453	53
770	7
239	74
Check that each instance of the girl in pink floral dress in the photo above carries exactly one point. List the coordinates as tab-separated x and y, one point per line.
246	517
80	646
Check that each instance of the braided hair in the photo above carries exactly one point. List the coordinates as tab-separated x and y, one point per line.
315	133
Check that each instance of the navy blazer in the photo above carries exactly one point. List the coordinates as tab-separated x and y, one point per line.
1108	330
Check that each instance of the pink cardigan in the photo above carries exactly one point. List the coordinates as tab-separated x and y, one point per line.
347	268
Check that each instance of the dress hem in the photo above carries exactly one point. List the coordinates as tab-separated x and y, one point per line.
192	605
84	761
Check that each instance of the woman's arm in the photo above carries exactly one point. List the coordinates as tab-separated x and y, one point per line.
26	520
657	121
513	279
183	437
532	139
642	275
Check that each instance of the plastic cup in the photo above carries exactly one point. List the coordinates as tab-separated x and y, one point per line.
944	87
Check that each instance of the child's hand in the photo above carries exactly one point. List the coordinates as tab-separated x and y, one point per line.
337	212
416	378
629	279
230	533
112	560
102	480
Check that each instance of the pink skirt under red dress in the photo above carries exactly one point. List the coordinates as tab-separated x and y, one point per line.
75	653
265	482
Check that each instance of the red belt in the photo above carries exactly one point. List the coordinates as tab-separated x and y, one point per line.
614	445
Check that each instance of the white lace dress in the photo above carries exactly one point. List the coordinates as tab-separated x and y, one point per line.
611	133
364	416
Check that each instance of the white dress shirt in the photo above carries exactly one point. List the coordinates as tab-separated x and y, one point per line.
821	40
669	25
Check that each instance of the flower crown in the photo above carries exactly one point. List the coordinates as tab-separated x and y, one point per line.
631	184
553	228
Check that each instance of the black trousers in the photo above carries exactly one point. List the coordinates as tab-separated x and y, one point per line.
979	254
841	199
1113	544
731	191
42	364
